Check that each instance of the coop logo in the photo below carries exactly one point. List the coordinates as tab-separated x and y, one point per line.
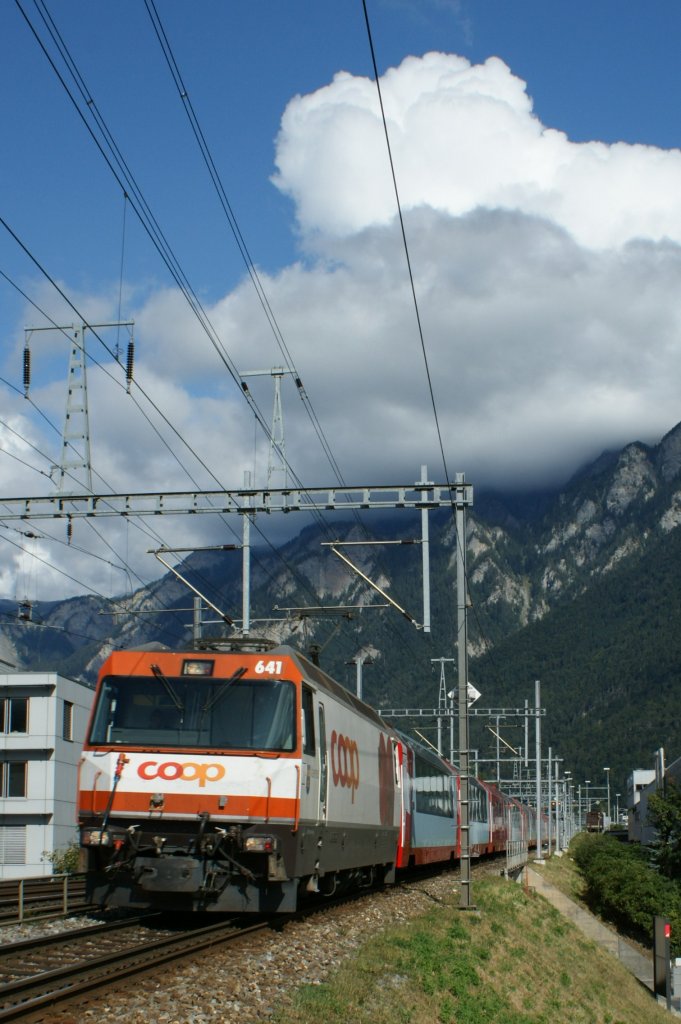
188	771
344	762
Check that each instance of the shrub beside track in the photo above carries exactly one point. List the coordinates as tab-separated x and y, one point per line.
624	888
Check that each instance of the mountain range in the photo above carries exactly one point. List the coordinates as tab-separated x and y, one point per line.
577	587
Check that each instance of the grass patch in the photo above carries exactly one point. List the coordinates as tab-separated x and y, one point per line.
516	962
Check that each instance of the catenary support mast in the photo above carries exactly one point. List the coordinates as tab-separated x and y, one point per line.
466	902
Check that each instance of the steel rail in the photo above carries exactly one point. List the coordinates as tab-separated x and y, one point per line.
12	949
26	996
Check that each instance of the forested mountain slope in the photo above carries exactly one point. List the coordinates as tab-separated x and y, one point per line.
578	588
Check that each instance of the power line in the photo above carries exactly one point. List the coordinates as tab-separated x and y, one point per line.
228	210
130	189
405	244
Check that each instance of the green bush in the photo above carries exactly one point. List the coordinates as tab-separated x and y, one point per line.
624	888
64	861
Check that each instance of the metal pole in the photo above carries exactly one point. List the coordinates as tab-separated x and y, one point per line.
466	901
607	782
549	833
560	817
425	558
537	743
498	755
246	563
359	676
197	626
527	733
451	728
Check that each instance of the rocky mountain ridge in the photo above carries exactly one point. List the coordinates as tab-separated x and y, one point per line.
525	559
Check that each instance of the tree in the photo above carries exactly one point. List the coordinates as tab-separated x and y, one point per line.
664	814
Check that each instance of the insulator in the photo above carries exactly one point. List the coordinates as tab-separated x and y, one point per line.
69	531
244	387
130	363
299	382
27	370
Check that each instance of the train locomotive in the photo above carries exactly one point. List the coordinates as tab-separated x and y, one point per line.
237	780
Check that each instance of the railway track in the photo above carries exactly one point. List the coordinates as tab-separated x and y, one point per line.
24	899
39	973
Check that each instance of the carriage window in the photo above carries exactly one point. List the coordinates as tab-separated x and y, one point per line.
433	788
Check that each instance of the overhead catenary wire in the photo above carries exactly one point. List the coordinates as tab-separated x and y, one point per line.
301	581
146	219
128	185
459	540
142	527
228	210
227	207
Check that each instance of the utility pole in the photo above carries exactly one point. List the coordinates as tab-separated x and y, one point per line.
361	659
537	739
425	556
466	901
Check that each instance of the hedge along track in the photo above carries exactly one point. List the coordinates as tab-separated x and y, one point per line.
28	995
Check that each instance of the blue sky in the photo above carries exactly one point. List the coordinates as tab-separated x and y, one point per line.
542	196
603	70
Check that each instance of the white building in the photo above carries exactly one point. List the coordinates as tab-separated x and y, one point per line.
43	718
642	785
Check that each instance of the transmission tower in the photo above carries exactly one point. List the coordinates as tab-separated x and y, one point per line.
75	467
276	461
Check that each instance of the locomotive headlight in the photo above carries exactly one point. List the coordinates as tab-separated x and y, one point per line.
95	837
261	844
197	667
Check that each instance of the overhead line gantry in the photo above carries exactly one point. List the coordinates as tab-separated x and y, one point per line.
244	501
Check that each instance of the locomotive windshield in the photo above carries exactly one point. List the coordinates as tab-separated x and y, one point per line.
231	713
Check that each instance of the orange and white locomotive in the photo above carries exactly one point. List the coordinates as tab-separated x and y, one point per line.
231	781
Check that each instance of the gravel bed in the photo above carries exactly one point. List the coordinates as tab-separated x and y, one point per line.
249	982
49	926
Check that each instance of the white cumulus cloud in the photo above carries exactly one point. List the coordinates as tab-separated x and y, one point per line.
547	275
464	136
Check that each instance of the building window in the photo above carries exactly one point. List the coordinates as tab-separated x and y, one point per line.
67	723
12	844
14	714
12	778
